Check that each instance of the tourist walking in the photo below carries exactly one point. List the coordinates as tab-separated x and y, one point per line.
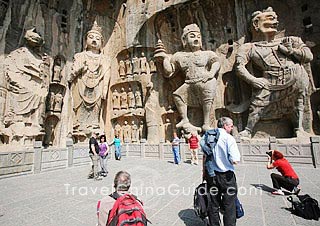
218	171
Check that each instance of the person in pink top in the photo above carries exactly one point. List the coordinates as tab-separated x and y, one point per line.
194	146
103	153
288	179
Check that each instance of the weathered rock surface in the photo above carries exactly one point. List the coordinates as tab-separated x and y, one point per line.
131	29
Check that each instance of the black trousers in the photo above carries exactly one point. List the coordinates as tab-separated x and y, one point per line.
280	181
222	190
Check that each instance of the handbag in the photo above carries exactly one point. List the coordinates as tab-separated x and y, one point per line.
239	209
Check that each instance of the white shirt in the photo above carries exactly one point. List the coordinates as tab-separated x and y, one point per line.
225	153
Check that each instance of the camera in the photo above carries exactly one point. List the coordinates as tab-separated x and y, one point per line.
269	153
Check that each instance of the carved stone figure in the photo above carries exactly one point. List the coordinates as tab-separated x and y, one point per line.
90	79
128	68
116	100
143	64
58	98
123	99
27	70
138	99
51	101
50	133
122	69
278	78
200	69
153	67
126	132
118	130
152	119
141	127
57	70
131	99
134	132
136	65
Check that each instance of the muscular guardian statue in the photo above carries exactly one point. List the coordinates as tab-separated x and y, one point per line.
90	79
200	69
274	68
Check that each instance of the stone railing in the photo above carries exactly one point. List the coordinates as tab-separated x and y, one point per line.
39	159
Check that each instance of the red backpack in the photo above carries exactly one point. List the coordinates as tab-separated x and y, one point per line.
127	210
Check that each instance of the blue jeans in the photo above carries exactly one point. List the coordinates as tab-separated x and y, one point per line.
117	152
176	154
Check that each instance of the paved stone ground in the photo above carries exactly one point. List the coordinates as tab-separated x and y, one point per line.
66	197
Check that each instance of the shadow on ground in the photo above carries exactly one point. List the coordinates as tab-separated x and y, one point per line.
268	189
190	219
263	187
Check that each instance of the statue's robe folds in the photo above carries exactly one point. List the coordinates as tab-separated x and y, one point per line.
28	83
88	89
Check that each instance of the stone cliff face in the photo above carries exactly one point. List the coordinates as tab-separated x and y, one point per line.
131	29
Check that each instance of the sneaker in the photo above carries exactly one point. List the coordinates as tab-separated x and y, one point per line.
97	178
296	190
277	192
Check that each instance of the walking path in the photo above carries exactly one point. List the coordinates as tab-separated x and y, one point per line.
66	197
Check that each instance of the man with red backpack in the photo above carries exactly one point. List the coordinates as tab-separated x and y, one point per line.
121	207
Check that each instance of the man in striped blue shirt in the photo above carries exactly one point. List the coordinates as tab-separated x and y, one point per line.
176	149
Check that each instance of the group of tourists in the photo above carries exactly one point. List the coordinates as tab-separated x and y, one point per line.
193	142
220	154
99	150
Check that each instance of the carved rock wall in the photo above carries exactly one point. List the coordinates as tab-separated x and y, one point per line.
134	26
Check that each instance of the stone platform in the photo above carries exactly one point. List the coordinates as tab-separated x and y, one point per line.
66	197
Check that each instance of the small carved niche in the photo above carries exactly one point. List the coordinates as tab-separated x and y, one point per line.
57	68
307	24
3	10
64	20
228	30
304	7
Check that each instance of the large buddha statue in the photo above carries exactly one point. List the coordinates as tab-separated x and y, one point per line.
89	83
